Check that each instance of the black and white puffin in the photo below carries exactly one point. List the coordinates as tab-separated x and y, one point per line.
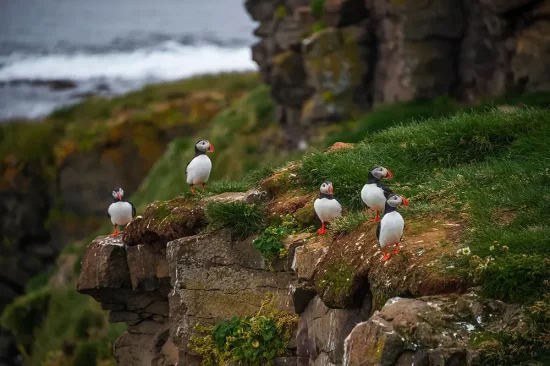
198	169
326	206
121	212
373	193
390	229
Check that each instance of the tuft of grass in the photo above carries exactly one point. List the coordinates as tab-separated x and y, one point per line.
403	113
242	219
348	223
516	278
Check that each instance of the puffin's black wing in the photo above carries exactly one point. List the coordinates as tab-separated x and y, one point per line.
133	210
378	231
385	189
108	214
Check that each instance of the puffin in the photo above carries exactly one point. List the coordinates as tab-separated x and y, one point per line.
390	229
373	193
326	206
198	169
121	212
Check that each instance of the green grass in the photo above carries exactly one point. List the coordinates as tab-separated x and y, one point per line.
491	167
240	218
98	108
402	113
349	222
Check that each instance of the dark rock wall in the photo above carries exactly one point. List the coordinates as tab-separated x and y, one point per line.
381	51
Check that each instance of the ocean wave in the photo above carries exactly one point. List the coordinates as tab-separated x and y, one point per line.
169	60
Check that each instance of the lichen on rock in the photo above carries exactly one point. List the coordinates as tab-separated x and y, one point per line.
165	221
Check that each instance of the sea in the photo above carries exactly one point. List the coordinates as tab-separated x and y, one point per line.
54	53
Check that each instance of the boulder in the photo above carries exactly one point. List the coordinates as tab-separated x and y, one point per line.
104	267
163	221
432	330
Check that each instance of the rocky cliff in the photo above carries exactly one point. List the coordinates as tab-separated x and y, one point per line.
161	280
175	266
328	60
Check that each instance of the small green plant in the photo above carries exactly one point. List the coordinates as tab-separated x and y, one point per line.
241	218
281	12
270	243
250	340
317	27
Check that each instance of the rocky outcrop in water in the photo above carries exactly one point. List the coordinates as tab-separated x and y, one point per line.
329	60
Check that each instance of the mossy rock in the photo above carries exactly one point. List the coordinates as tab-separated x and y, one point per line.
333	59
276	184
306	216
339	286
165	221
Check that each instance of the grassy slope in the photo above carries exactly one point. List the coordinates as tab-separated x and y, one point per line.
489	170
480	168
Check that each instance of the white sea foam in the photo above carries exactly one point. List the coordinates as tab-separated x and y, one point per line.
169	61
105	73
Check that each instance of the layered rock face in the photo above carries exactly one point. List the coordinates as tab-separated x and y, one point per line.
329	60
165	274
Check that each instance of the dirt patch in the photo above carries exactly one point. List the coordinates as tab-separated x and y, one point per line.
288	203
503	217
339	146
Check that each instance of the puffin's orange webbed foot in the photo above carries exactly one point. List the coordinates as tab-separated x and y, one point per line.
322	230
192	190
386	256
397	250
115	233
375	219
203	187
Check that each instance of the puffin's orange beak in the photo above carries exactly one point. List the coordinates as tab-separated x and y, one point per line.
389	175
211	148
119	196
330	189
405	202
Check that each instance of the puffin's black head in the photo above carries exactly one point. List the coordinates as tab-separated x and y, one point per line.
380	172
118	193
395	200
204	146
326	187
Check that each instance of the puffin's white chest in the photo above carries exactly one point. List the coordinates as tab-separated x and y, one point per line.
327	210
198	170
391	229
373	196
121	213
